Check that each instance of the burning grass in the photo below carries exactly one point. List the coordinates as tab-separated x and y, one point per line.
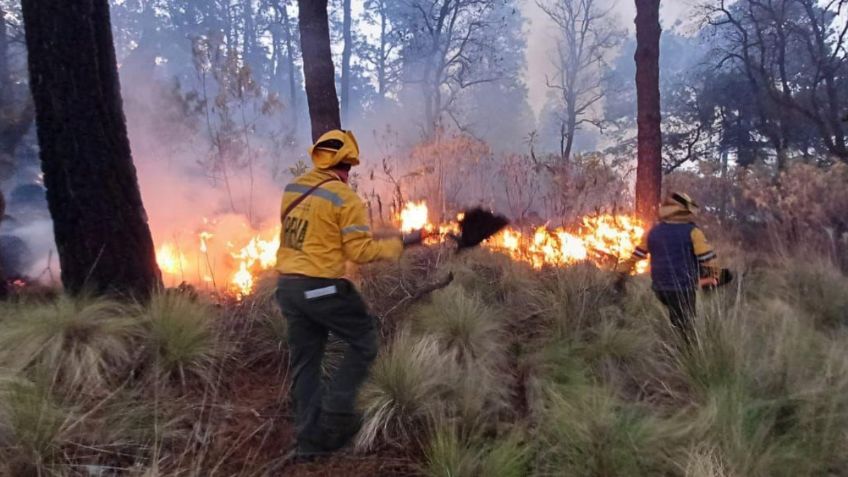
510	370
228	257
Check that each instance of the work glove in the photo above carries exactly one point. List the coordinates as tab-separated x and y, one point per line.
413	238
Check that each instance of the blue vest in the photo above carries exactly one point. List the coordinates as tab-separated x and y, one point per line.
673	262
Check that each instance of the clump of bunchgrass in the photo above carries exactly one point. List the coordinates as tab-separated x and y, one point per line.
461	323
32	424
573	298
593	433
814	285
768	389
182	337
449	452
705	461
88	342
408	384
266	336
493	276
821	290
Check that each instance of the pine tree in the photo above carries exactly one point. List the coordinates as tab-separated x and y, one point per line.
649	167
318	68
100	225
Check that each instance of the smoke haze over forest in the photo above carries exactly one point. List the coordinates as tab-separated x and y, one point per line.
218	123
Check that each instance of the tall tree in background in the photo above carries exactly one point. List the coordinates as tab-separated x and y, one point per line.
649	153
318	69
347	26
585	35
16	110
794	56
284	64
383	56
99	221
446	44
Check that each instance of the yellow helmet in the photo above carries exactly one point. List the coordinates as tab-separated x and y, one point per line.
678	204
683	199
335	147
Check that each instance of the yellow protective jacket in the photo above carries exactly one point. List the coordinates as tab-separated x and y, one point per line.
326	229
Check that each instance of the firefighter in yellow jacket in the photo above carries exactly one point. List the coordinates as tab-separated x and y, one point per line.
325	224
681	259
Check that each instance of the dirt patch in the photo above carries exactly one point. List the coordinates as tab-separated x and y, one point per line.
254	429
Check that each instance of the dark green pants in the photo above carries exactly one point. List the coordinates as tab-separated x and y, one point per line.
681	310
325	413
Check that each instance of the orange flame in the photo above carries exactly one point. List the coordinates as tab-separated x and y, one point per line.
256	256
415	216
604	240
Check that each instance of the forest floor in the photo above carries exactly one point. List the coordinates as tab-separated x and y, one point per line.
259	431
507	371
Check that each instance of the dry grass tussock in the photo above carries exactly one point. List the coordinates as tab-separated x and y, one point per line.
506	372
87	341
182	338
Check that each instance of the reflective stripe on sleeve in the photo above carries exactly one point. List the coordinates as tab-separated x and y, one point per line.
322	193
706	256
355	228
639	253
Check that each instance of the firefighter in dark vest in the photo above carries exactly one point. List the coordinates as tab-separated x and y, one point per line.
324	225
681	259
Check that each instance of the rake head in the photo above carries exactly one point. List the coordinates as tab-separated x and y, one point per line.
477	225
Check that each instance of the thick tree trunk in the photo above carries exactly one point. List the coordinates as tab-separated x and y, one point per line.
4	60
649	168
318	71
346	53
99	221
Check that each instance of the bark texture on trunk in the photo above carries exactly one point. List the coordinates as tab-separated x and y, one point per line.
318	71
101	230
347	26
649	167
4	59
